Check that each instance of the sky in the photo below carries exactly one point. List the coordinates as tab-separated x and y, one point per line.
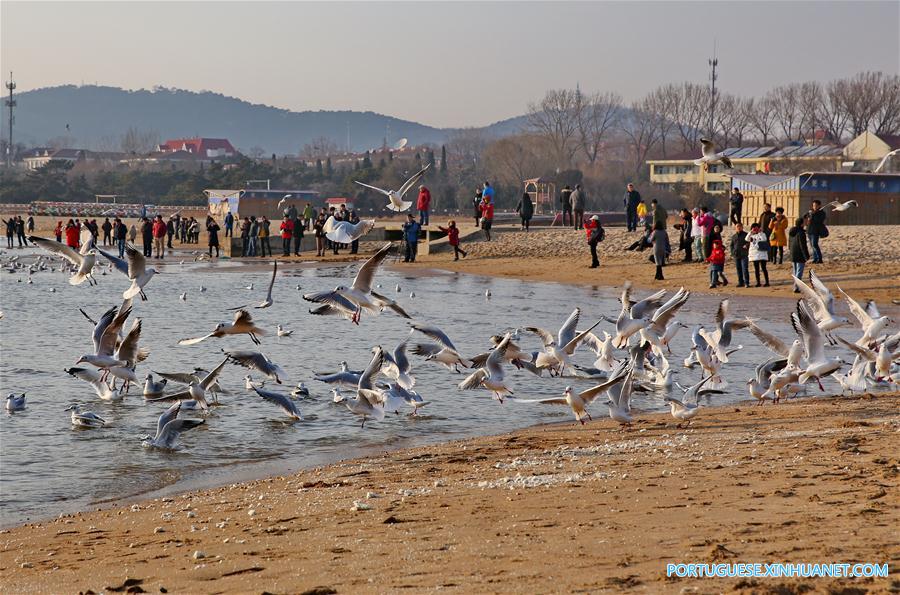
440	63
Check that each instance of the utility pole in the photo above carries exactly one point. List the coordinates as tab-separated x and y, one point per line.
713	64
10	103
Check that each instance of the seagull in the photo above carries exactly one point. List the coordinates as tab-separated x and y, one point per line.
345	377
578	402
487	293
268	301
282	401
720	340
491	375
202	289
395	197
821	302
605	361
658	329
105	335
256	361
793	353
884	160
344	232
168	428
368	402
881	358
557	350
620	400
183	297
842	206
397	366
196	390
14	403
871	325
84	260
243	324
301	390
817	365
360	292
135	267
334	303
85	419
514	355
634	315
103	390
683	411
397	398
445	353
759	386
855	379
281	332
154	389
693	393
710	155
283	200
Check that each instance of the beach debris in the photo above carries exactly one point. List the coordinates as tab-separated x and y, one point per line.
359	506
199	555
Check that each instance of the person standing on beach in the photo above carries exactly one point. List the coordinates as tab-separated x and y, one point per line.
487	215
735	206
264	233
253	237
740	254
525	209
147	236
11	231
354	219
595	235
170	231
565	201
765	220
778	237
578	203
716	260
632	198
120	234
107	229
20	231
297	234
29	225
229	225
816	229
660	241
212	228
72	235
57	231
287	233
159	237
798	249
660	215
453	239
759	252
308	213
411	236
685	239
319	229
476	205
245	236
705	224
423	205
292	213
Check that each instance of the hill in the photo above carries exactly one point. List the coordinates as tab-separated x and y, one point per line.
98	116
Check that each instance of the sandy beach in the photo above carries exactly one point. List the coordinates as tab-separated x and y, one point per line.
556	508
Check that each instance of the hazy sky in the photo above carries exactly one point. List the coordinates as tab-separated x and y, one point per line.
444	64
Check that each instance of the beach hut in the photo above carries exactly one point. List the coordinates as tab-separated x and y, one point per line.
542	192
878	195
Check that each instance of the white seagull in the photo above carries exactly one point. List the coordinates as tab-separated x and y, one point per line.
84	260
242	324
282	332
634	315
842	206
871	325
268	301
817	365
196	390
711	155
344	232
491	375
445	353
85	419
578	402
103	390
14	403
558	349
395	197
135	268
821	301
168	428
154	389
368	401
288	406
256	361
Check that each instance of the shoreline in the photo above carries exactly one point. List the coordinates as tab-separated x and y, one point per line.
475	513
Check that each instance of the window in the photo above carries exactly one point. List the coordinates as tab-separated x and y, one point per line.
715	186
713	169
683	169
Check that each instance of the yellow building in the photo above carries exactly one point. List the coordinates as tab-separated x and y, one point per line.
681	170
866	152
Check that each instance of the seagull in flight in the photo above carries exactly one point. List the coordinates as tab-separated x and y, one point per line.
286	404
817	365
243	324
344	232
578	402
255	360
283	200
711	155
135	268
368	402
444	353
558	349
168	428
197	389
83	259
842	206
395	197
268	301
491	375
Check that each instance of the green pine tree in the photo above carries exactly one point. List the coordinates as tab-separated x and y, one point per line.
444	158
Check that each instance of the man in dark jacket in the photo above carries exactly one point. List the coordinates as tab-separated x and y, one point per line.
632	198
107	229
765	218
120	232
229	225
147	236
816	230
578	203
565	202
799	251
170	231
740	252
411	236
245	236
297	232
735	206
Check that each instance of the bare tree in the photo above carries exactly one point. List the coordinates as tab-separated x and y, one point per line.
809	102
466	147
663	102
138	141
832	114
785	101
887	117
861	99
513	159
761	114
598	113
641	128
690	113
556	118
319	148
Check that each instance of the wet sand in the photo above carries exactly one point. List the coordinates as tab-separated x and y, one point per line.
547	509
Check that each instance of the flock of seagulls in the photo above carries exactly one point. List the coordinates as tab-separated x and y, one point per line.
633	359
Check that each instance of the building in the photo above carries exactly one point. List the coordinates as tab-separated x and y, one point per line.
246	202
866	152
337	201
41	156
878	195
205	148
681	169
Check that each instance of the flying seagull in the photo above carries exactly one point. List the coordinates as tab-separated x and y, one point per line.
268	301
842	206
84	260
135	268
344	232
710	155
243	324
168	428
396	196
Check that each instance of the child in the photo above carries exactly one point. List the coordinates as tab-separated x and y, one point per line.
716	262
759	252
740	255
453	237
595	234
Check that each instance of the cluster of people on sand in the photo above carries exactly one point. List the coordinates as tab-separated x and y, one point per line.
18	228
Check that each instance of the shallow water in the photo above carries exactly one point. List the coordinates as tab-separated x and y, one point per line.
47	467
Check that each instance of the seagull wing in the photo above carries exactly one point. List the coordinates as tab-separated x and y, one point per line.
435	333
118	263
667	311
428	349
167	416
54	247
400	358
363	280
278	399
387	302
547	337
179	377
642	308
571	345
590	394
474	379
101	326
863	352
272	282
255	360
137	264
721	314
412	181
809	332
385	192
367	378
707	147
549	401
872	309
861	315
128	348
211	377
196	340
567	330
174	428
769	340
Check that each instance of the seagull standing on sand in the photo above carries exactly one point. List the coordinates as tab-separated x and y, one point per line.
711	155
395	197
168	428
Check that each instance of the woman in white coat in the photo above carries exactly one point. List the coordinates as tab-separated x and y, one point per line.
759	252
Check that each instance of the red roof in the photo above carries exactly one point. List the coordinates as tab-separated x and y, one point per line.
203	147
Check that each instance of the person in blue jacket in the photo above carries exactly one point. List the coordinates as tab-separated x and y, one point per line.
411	235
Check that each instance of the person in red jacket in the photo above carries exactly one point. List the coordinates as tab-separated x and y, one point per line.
71	235
487	215
58	232
423	204
453	237
716	262
287	231
159	236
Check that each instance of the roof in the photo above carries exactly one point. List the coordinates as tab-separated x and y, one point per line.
891	140
198	145
808	151
51	153
760	180
732	152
